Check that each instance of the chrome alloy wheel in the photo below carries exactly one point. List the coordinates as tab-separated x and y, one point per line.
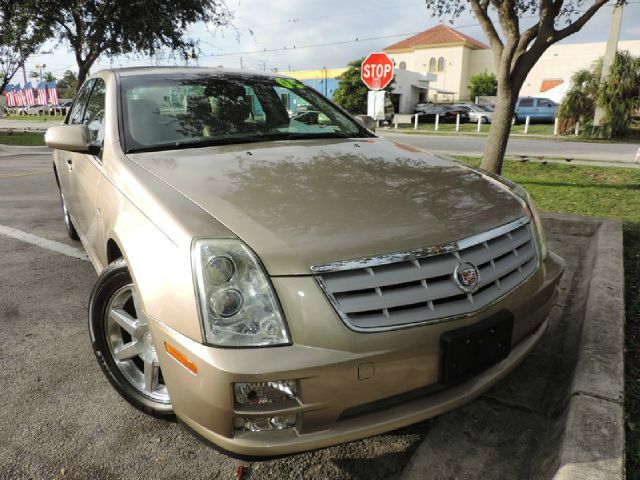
131	344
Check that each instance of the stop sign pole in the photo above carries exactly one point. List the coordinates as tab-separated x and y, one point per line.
376	73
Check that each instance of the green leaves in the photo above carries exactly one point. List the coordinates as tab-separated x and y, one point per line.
619	96
483	84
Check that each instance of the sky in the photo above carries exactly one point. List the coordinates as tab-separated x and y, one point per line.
311	34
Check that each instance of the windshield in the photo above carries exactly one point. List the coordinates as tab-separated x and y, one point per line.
484	108
183	111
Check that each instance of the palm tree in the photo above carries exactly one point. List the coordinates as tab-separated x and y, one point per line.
619	96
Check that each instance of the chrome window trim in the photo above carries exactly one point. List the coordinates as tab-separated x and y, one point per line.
417	253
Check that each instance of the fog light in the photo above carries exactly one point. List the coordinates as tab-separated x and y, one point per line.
262	393
262	424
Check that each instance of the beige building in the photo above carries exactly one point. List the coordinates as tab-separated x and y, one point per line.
454	57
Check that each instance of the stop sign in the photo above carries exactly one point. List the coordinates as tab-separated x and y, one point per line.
377	70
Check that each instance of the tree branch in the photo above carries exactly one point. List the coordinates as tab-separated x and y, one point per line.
579	23
480	9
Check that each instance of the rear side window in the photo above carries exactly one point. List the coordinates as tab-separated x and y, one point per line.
526	102
77	111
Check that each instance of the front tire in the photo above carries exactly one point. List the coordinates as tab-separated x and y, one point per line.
123	344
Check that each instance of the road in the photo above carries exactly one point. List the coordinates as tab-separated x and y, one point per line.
473	146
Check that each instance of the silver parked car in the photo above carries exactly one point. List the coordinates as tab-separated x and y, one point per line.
482	112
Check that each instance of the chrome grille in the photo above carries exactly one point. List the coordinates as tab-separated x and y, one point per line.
406	288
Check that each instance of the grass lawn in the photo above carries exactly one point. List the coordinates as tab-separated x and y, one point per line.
601	192
22	138
36	118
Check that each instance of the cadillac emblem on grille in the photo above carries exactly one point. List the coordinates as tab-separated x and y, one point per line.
467	277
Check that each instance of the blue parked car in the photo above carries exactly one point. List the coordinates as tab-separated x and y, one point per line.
540	110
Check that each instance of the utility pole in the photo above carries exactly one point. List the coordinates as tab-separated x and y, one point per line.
610	54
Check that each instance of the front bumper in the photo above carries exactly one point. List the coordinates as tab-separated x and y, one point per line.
336	403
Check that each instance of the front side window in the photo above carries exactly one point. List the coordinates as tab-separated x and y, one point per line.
545	102
94	114
80	103
182	111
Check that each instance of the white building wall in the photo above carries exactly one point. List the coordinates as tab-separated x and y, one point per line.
455	57
409	84
558	62
562	61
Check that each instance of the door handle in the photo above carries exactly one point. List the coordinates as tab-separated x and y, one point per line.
69	164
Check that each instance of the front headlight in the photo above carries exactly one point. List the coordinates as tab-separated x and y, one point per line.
238	307
526	198
537	221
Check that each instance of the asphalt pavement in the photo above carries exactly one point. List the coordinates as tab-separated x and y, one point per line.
61	419
534	148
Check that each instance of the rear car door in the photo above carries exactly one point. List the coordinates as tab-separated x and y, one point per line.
88	169
525	108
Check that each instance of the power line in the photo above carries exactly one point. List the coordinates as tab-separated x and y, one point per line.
295	20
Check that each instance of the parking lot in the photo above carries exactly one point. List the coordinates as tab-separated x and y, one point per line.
61	419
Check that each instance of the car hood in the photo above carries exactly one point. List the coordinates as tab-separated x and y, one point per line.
303	203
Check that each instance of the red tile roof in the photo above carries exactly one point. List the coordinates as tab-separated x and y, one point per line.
548	84
437	35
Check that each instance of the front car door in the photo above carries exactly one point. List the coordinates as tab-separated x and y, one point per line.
65	161
88	170
547	109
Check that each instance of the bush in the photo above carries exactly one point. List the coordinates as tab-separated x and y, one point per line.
483	84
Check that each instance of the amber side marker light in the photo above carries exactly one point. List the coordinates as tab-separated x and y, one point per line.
181	358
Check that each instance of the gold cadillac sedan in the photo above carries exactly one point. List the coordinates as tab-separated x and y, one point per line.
277	276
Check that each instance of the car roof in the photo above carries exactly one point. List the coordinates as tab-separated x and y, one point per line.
151	70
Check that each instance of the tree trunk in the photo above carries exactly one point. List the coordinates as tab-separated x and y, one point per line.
3	84
498	137
83	72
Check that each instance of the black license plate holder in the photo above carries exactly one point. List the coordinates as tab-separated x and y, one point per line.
469	350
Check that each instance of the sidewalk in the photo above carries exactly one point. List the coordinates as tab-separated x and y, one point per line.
13	150
559	415
26	125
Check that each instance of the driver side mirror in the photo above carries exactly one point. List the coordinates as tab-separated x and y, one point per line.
366	121
72	138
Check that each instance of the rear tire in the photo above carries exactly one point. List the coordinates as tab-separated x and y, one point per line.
123	344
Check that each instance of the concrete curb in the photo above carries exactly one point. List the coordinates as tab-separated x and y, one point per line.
577	429
592	446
